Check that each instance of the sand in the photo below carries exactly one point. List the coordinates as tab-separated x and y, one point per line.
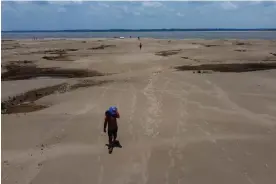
192	111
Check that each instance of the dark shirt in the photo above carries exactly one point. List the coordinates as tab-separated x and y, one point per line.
111	120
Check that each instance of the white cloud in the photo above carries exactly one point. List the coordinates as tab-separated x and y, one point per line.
137	13
59	2
255	2
170	9
65	2
61	9
152	4
180	14
22	2
103	5
228	5
8	8
124	8
77	1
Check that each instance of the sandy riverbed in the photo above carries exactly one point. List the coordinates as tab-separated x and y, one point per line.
192	111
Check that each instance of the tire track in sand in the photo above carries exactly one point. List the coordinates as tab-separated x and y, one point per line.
256	118
151	123
133	108
174	152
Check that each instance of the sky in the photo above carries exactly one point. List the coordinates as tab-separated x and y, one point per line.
60	15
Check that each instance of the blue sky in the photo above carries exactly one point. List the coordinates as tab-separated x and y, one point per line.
56	15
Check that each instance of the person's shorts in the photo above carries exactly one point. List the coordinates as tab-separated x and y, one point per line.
113	132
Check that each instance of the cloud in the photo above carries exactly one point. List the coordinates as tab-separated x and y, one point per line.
255	2
180	14
55	2
61	2
170	9
135	15
124	9
77	1
229	6
104	5
61	9
152	4
22	2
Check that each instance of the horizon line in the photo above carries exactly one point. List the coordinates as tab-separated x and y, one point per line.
133	30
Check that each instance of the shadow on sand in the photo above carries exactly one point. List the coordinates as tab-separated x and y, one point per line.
115	144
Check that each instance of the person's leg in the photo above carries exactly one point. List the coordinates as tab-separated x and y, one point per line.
110	146
109	137
115	134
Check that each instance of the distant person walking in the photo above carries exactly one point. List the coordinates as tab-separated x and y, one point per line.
140	46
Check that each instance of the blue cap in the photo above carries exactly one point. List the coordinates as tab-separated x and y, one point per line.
113	110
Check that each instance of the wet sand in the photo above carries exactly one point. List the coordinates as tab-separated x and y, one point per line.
192	111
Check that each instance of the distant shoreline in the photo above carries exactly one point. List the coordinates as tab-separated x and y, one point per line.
161	34
136	30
